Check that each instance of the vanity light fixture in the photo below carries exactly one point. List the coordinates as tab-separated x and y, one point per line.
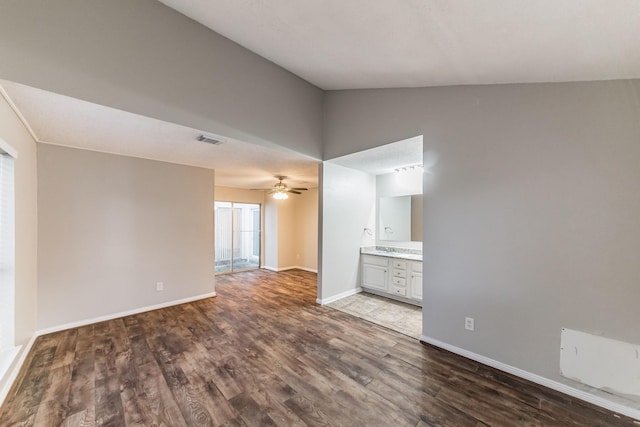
280	195
410	168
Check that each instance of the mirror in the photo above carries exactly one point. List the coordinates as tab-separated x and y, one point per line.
400	218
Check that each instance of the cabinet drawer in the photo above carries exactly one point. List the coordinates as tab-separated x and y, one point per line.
399	281
399	273
375	260
400	265
416	266
399	290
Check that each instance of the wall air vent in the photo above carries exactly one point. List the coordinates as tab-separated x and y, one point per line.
209	140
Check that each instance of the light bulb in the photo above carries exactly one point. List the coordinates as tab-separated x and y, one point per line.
280	195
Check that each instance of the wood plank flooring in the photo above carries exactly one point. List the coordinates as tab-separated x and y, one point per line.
263	353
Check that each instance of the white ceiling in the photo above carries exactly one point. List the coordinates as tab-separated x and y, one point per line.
386	158
61	120
344	44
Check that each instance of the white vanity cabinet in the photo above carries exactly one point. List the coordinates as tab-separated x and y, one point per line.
399	278
415	281
393	277
375	272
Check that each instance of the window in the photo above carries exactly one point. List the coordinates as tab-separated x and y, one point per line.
7	252
237	236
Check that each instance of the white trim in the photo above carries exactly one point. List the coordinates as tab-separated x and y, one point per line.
294	267
122	314
13	374
7	357
341	295
13	106
388	295
562	388
310	270
7	148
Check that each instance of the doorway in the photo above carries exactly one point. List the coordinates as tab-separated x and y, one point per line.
369	179
237	236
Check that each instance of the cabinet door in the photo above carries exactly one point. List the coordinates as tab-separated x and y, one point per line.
415	282
374	277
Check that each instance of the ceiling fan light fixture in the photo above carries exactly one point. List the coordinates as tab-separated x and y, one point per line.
280	195
281	190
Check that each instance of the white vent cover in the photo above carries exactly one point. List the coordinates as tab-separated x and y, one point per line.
210	139
600	362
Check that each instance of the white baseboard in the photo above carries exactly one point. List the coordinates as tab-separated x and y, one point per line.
562	388
295	267
12	374
310	270
341	295
122	314
7	357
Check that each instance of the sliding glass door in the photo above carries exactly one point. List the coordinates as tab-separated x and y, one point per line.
237	239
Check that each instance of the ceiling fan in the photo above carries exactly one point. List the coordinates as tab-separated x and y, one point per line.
280	189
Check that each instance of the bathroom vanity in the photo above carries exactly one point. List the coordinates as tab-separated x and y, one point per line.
393	267
392	274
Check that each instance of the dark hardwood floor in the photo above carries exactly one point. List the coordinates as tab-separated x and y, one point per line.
263	353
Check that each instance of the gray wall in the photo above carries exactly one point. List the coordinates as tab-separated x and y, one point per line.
144	57
110	227
287	244
348	204
15	134
291	231
531	220
271	235
306	229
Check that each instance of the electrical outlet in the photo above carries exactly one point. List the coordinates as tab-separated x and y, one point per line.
469	323
159	286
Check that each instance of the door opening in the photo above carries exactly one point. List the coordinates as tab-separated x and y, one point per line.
237	238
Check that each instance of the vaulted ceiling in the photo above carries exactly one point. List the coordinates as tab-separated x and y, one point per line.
338	44
347	44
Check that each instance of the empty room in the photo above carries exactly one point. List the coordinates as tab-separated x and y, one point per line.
390	213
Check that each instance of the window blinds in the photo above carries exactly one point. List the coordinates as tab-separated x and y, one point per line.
7	252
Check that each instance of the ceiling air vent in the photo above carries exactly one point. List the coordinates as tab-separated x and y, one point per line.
209	140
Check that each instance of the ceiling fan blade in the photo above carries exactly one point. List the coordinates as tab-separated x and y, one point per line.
281	187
